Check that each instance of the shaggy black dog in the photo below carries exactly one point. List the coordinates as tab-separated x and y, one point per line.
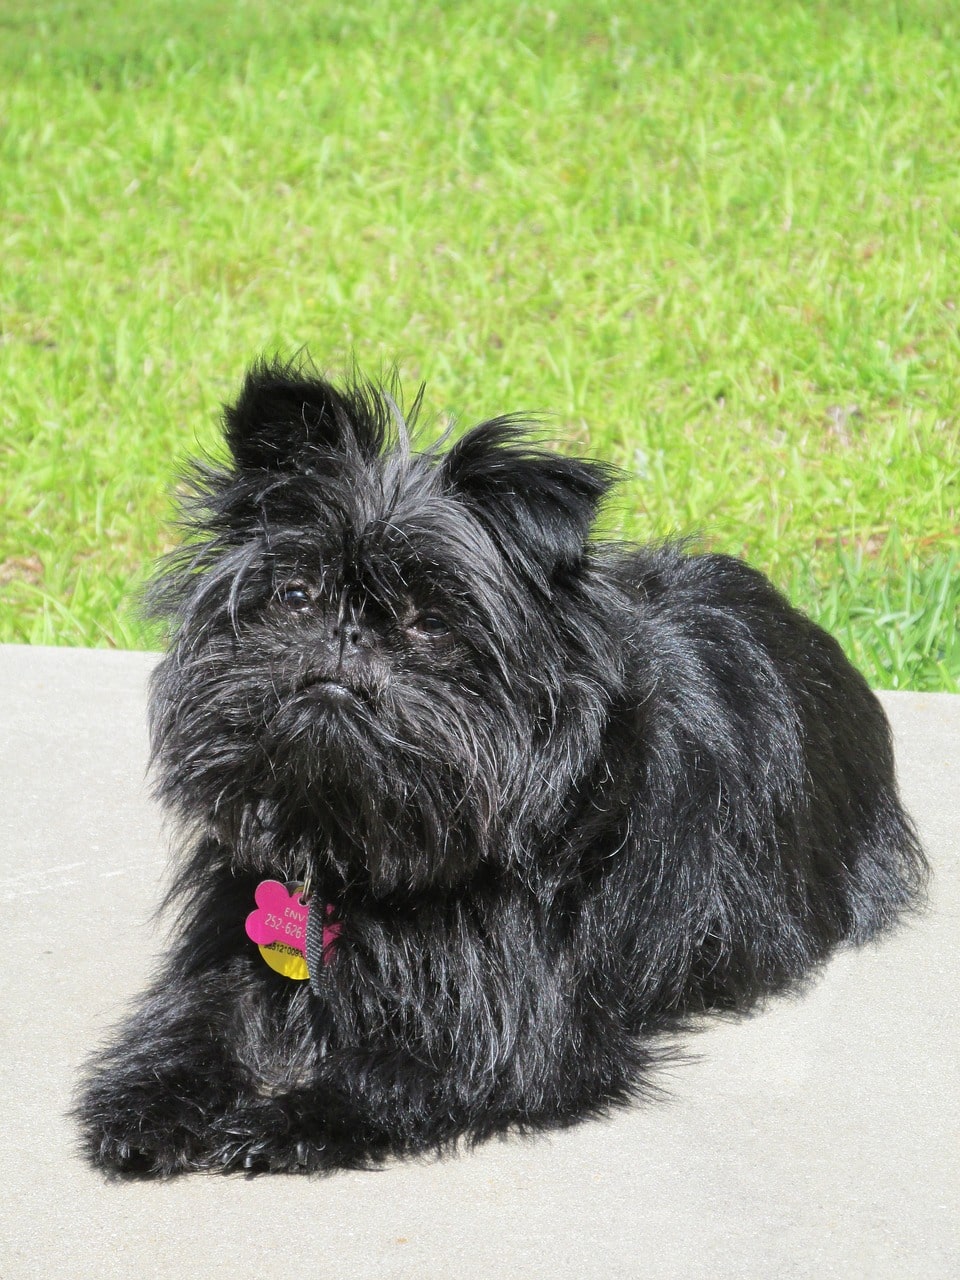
523	799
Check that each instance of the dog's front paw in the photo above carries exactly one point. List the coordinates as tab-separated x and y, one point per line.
161	1126
269	1135
144	1155
149	1128
159	1132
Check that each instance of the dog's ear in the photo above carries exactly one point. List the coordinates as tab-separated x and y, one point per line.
283	417
538	506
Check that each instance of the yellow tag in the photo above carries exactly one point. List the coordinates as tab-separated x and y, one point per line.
286	960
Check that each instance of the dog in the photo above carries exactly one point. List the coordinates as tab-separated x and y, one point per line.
476	806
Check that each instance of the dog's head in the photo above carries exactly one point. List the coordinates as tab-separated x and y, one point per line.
387	661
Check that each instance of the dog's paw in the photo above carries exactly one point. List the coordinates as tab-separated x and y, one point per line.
145	1128
141	1155
142	1150
163	1136
269	1136
160	1128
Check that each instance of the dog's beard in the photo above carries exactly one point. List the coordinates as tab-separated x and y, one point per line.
394	780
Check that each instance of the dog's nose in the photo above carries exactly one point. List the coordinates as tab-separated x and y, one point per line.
351	634
351	644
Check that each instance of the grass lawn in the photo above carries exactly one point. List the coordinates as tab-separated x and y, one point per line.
717	243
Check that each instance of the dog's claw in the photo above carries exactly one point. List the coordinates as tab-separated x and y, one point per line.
301	1153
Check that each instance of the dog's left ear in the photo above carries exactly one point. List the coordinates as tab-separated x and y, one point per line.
532	502
283	415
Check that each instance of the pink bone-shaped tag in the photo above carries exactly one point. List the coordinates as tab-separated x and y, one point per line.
282	917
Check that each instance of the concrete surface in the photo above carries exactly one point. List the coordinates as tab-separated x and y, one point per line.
819	1138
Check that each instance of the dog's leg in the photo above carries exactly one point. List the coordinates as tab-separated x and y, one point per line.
147	1103
217	1036
158	1101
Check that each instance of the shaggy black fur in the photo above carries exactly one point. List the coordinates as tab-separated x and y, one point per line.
558	794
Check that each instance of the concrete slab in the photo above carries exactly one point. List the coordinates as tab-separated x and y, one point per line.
820	1138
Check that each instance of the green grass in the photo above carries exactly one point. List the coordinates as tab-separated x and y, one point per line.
716	243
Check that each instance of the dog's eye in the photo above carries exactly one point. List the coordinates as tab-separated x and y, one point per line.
429	624
294	597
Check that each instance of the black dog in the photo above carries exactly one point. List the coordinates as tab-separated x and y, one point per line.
550	797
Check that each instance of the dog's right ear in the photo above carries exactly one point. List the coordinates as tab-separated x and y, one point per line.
284	419
538	506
